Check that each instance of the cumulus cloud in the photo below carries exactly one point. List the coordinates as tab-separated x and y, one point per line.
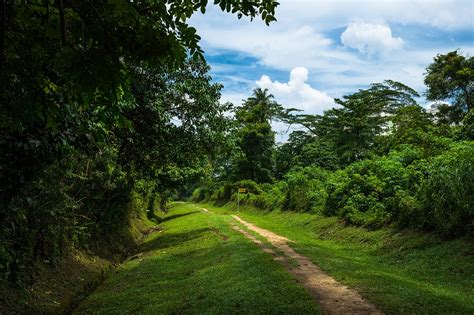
370	38
275	47
297	93
308	33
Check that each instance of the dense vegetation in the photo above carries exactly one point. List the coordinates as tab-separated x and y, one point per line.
377	159
104	105
108	111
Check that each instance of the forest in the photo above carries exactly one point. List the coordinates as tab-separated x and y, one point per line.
109	115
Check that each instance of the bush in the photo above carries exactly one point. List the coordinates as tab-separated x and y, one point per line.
447	195
306	189
198	194
263	196
365	192
271	197
71	203
403	188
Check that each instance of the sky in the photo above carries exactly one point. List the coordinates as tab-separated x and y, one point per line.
323	49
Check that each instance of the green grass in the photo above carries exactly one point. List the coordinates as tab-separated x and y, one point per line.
404	272
199	265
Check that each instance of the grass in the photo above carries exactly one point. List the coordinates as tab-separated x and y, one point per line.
404	272
198	264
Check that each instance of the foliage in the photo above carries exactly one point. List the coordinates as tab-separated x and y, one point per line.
447	194
451	77
378	159
256	143
302	149
351	131
256	137
306	189
69	203
71	85
466	131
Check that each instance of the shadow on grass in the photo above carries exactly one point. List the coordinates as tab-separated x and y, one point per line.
172	239
175	216
158	220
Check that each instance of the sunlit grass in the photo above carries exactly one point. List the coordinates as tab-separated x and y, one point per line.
198	264
402	272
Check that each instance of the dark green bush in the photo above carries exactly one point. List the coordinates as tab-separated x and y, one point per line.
70	203
447	195
223	193
306	189
402	188
271	196
365	193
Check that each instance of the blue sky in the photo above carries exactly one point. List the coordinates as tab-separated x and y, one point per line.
322	49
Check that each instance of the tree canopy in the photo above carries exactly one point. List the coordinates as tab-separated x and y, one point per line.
451	78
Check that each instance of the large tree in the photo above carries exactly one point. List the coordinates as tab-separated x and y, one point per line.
257	139
451	78
351	130
177	122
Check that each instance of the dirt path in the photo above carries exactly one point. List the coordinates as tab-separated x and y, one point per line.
332	296
207	211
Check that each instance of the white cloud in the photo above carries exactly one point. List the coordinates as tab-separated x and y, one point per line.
445	14
370	38
235	98
307	34
275	47
297	93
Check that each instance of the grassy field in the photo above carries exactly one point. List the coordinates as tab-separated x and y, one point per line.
403	273
198	264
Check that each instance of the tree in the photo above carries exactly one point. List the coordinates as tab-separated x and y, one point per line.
65	70
449	115
257	139
451	78
353	128
466	131
177	123
305	149
260	107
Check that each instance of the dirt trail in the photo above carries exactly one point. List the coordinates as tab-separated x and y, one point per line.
332	296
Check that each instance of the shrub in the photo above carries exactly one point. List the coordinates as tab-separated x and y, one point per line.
365	192
306	189
447	195
271	197
222	193
199	194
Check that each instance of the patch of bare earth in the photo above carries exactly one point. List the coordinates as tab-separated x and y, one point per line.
332	296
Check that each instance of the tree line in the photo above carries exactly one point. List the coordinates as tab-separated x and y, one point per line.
376	159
